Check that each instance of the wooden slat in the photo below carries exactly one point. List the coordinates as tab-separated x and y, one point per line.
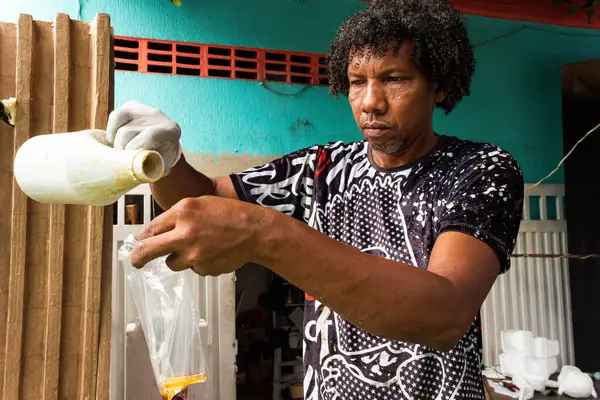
38	221
76	245
100	54
16	279
103	381
8	47
91	303
56	243
106	327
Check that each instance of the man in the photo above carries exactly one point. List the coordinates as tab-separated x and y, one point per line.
396	239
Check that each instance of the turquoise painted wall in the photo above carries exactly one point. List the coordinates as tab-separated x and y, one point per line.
515	99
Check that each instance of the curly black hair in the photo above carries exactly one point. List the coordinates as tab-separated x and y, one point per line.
441	48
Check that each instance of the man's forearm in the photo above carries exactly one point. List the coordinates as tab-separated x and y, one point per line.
182	182
384	297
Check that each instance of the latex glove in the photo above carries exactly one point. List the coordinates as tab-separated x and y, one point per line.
135	126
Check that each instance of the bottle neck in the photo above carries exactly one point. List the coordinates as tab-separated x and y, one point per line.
148	166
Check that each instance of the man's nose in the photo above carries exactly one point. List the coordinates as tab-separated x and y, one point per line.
374	100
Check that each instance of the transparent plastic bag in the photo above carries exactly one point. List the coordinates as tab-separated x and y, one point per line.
167	305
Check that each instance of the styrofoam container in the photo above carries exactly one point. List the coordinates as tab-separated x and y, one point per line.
513	364
516	341
526	391
544	348
541	366
536	381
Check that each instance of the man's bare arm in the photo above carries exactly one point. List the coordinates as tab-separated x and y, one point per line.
388	298
184	181
394	300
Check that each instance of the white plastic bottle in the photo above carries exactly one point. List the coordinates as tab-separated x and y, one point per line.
82	168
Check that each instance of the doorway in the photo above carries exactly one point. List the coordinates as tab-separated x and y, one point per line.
269	318
580	105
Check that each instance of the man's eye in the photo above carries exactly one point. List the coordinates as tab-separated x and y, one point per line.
395	79
356	82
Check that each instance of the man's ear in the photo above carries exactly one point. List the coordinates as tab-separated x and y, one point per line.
439	94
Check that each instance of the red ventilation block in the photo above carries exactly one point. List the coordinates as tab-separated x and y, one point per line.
215	61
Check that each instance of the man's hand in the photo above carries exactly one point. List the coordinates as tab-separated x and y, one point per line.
210	235
135	126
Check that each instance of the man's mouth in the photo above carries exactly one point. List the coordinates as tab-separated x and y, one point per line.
375	132
375	129
375	125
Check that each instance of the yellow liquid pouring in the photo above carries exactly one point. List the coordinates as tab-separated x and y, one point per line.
172	386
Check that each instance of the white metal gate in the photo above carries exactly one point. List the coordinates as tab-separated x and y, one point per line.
534	294
218	309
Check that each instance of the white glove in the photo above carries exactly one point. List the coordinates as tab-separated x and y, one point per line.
135	126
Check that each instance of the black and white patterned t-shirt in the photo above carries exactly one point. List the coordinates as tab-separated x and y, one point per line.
398	213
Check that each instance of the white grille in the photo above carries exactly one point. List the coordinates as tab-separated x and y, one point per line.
534	294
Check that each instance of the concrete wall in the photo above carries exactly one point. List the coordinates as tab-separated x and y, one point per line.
515	101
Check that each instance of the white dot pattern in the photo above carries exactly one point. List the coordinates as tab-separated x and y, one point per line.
474	188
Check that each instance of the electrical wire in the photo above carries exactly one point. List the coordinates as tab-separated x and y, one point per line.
537	29
557	256
564	158
495	369
264	85
563	33
504	36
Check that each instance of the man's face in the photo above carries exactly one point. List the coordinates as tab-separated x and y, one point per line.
391	99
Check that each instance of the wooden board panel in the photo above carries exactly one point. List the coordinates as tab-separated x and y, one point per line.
18	226
545	12
38	217
55	299
541	11
99	55
104	339
8	40
75	219
56	242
